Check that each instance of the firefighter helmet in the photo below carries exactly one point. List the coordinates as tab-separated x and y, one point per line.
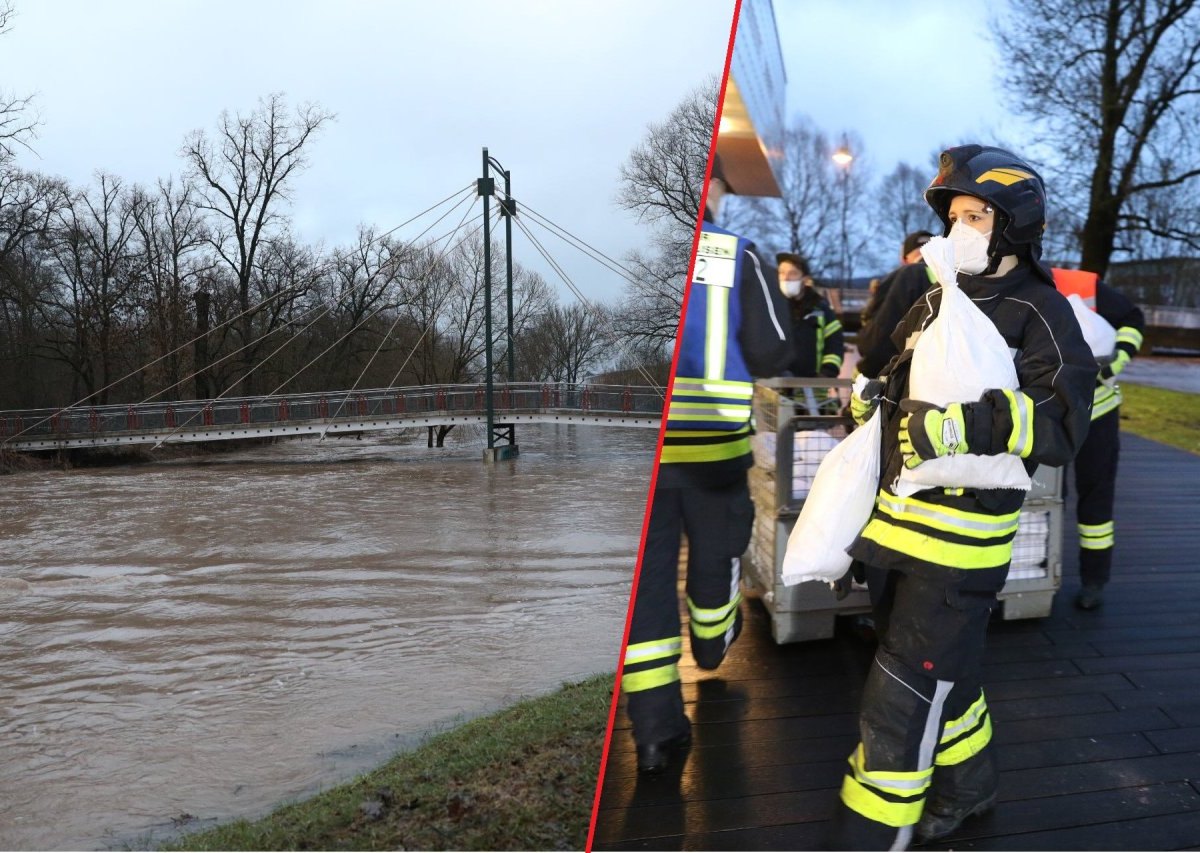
1003	180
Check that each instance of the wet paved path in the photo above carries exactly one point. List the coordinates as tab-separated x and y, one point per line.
1097	714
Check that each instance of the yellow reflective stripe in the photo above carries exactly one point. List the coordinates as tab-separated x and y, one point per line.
1020	407
1130	335
713	388
954	728
705	631
653	650
1097	537
1105	400
703	433
968	746
732	420
717	332
835	360
705	452
933	550
742	409
648	679
976	525
712	614
860	792
833	328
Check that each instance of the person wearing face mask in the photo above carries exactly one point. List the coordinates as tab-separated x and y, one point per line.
897	291
734	329
816	330
936	560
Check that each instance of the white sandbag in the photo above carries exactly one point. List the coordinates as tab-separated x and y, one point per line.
837	509
1098	332
958	357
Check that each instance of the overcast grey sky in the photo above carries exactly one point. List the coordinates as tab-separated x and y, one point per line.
559	92
906	75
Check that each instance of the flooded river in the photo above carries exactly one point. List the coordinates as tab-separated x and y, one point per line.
210	638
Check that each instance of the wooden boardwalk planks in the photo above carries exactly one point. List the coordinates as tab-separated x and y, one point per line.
1097	714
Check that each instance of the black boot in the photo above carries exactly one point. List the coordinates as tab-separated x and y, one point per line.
655	757
959	791
1090	597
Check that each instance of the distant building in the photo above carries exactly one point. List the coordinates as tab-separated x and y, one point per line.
750	136
1161	281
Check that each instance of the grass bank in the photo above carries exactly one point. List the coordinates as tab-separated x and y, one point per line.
520	779
1171	417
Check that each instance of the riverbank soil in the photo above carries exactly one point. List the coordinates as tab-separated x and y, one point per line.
521	779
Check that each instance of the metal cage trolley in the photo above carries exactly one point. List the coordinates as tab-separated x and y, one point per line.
797	422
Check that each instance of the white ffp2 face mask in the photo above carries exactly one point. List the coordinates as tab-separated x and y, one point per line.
970	248
791	287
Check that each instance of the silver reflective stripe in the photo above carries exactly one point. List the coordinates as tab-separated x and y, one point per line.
717	333
1021	447
653	651
899	505
713	614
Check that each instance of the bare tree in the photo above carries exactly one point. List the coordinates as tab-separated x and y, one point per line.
653	301
565	342
818	199
241	180
168	235
91	250
663	179
1114	85
902	203
18	124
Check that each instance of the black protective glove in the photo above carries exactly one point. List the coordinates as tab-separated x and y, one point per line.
842	586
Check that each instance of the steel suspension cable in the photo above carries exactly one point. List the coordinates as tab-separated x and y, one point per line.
587	303
253	308
296	337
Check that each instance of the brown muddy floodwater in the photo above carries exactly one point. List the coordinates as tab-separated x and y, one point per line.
211	638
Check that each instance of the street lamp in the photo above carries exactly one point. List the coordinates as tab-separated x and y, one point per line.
843	158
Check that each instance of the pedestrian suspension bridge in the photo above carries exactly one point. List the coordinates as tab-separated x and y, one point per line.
497	405
329	413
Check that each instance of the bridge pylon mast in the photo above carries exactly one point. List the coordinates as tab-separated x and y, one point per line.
487	188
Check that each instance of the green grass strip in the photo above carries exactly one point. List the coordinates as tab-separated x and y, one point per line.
1170	417
520	779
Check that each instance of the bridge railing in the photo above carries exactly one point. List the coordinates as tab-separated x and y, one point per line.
332	406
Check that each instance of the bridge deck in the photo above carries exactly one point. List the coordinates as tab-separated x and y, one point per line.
334	411
1097	714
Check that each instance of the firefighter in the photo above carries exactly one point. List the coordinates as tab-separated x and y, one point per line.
1096	464
816	331
734	329
936	560
896	293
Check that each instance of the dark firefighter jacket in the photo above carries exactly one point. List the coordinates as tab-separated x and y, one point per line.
817	346
897	292
1122	315
967	535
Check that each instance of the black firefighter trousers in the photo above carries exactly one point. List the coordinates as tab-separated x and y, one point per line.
717	521
1096	484
925	728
